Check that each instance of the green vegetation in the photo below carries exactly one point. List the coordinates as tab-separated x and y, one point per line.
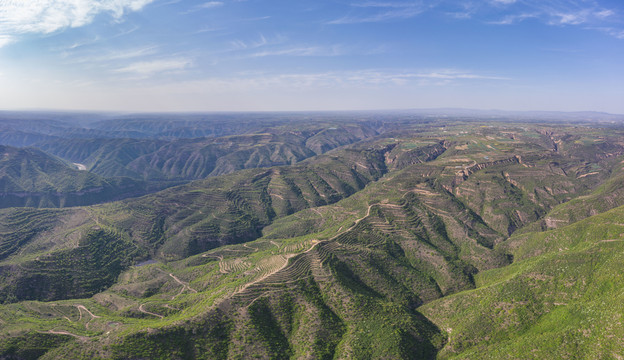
190	159
32	178
405	240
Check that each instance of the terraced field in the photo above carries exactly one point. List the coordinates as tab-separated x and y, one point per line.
410	245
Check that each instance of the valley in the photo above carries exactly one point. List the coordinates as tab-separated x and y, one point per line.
395	236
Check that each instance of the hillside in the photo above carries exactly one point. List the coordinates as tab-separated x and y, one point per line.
30	177
561	301
198	158
428	242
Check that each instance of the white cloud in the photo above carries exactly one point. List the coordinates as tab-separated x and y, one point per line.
455	75
512	19
148	68
46	16
210	4
384	4
604	13
5	39
616	33
405	13
242	45
302	51
116	55
205	5
261	41
366	78
561	13
382	11
570	18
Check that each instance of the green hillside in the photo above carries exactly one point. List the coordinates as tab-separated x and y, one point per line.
30	177
198	158
429	242
563	303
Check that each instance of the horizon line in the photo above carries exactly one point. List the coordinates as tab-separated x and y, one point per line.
380	110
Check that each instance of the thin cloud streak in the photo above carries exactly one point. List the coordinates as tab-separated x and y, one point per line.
112	56
148	68
562	13
381	17
371	4
203	6
512	19
338	79
387	11
302	51
210	4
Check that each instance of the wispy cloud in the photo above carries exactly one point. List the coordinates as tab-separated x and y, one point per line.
242	45
302	51
372	12
570	18
337	79
148	68
582	16
207	30
587	13
455	75
77	45
260	41
375	4
504	2
5	40
616	33
47	16
512	19
106	57
203	6
210	4
604	13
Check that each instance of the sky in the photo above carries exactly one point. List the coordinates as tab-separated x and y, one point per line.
285	55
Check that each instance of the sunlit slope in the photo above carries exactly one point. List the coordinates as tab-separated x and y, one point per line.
565	302
310	295
345	255
171	224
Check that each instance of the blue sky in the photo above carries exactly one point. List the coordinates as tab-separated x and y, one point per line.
240	55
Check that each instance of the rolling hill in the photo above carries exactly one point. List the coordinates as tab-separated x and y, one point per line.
30	177
192	159
456	239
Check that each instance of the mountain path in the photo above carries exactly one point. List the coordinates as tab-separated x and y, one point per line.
314	244
141	309
184	286
80	309
249	247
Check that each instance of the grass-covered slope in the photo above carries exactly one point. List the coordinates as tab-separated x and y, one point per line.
198	158
563	303
31	170
173	223
397	247
30	177
105	157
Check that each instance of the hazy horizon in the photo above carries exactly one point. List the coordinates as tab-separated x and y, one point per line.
214	56
441	111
